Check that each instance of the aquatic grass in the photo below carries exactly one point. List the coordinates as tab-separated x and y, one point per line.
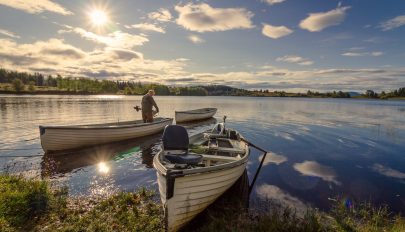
31	205
124	211
271	216
22	200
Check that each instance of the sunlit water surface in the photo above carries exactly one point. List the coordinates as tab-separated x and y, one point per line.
319	148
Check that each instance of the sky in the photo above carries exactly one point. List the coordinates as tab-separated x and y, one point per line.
290	45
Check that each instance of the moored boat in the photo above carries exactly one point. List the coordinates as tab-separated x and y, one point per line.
194	115
57	138
193	172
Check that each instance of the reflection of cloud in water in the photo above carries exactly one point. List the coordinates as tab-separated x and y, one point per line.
285	135
271	192
387	171
312	168
347	143
273	158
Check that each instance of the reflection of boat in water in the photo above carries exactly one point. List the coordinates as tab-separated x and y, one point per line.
67	162
190	182
194	115
204	122
57	138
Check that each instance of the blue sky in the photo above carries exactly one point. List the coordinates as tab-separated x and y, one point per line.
291	45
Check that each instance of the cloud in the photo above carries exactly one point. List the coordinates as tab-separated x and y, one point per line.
202	17
387	171
393	23
118	63
56	56
354	54
124	54
295	59
312	168
36	7
9	34
162	15
272	2
117	39
195	39
51	52
318	21
275	32
147	27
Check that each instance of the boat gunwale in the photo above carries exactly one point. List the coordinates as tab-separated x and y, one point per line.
100	126
210	110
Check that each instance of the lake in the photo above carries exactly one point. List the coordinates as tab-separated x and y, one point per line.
320	149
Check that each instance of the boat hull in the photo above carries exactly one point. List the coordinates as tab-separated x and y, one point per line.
194	115
57	138
192	194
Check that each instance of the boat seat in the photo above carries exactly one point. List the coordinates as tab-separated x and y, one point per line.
175	137
187	158
175	146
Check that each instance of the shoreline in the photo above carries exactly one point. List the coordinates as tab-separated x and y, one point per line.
67	93
32	205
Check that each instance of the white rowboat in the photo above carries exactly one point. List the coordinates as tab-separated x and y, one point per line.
194	115
57	138
189	182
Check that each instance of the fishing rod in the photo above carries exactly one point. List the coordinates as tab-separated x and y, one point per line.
138	108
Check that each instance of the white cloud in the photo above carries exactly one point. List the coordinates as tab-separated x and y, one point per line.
393	23
275	32
147	27
295	59
202	17
195	39
56	56
387	171
162	15
356	54
319	21
36	6
312	168
117	39
9	33
272	2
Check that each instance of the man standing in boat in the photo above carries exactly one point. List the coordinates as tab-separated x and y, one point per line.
147	103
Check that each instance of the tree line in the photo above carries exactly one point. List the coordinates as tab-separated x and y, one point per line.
22	82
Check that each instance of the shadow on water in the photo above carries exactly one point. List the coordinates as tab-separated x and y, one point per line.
60	163
236	198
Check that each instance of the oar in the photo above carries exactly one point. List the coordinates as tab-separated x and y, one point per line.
261	162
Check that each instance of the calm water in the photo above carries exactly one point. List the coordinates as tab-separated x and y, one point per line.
320	148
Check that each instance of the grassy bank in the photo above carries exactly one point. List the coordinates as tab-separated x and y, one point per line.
30	205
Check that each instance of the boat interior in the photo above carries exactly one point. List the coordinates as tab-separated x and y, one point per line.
211	148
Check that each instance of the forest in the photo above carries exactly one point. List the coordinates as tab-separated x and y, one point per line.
37	83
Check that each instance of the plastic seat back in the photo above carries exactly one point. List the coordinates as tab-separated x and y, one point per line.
175	137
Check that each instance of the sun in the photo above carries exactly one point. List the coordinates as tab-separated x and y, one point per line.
98	17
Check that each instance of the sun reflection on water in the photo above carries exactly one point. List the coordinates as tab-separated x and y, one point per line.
103	168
